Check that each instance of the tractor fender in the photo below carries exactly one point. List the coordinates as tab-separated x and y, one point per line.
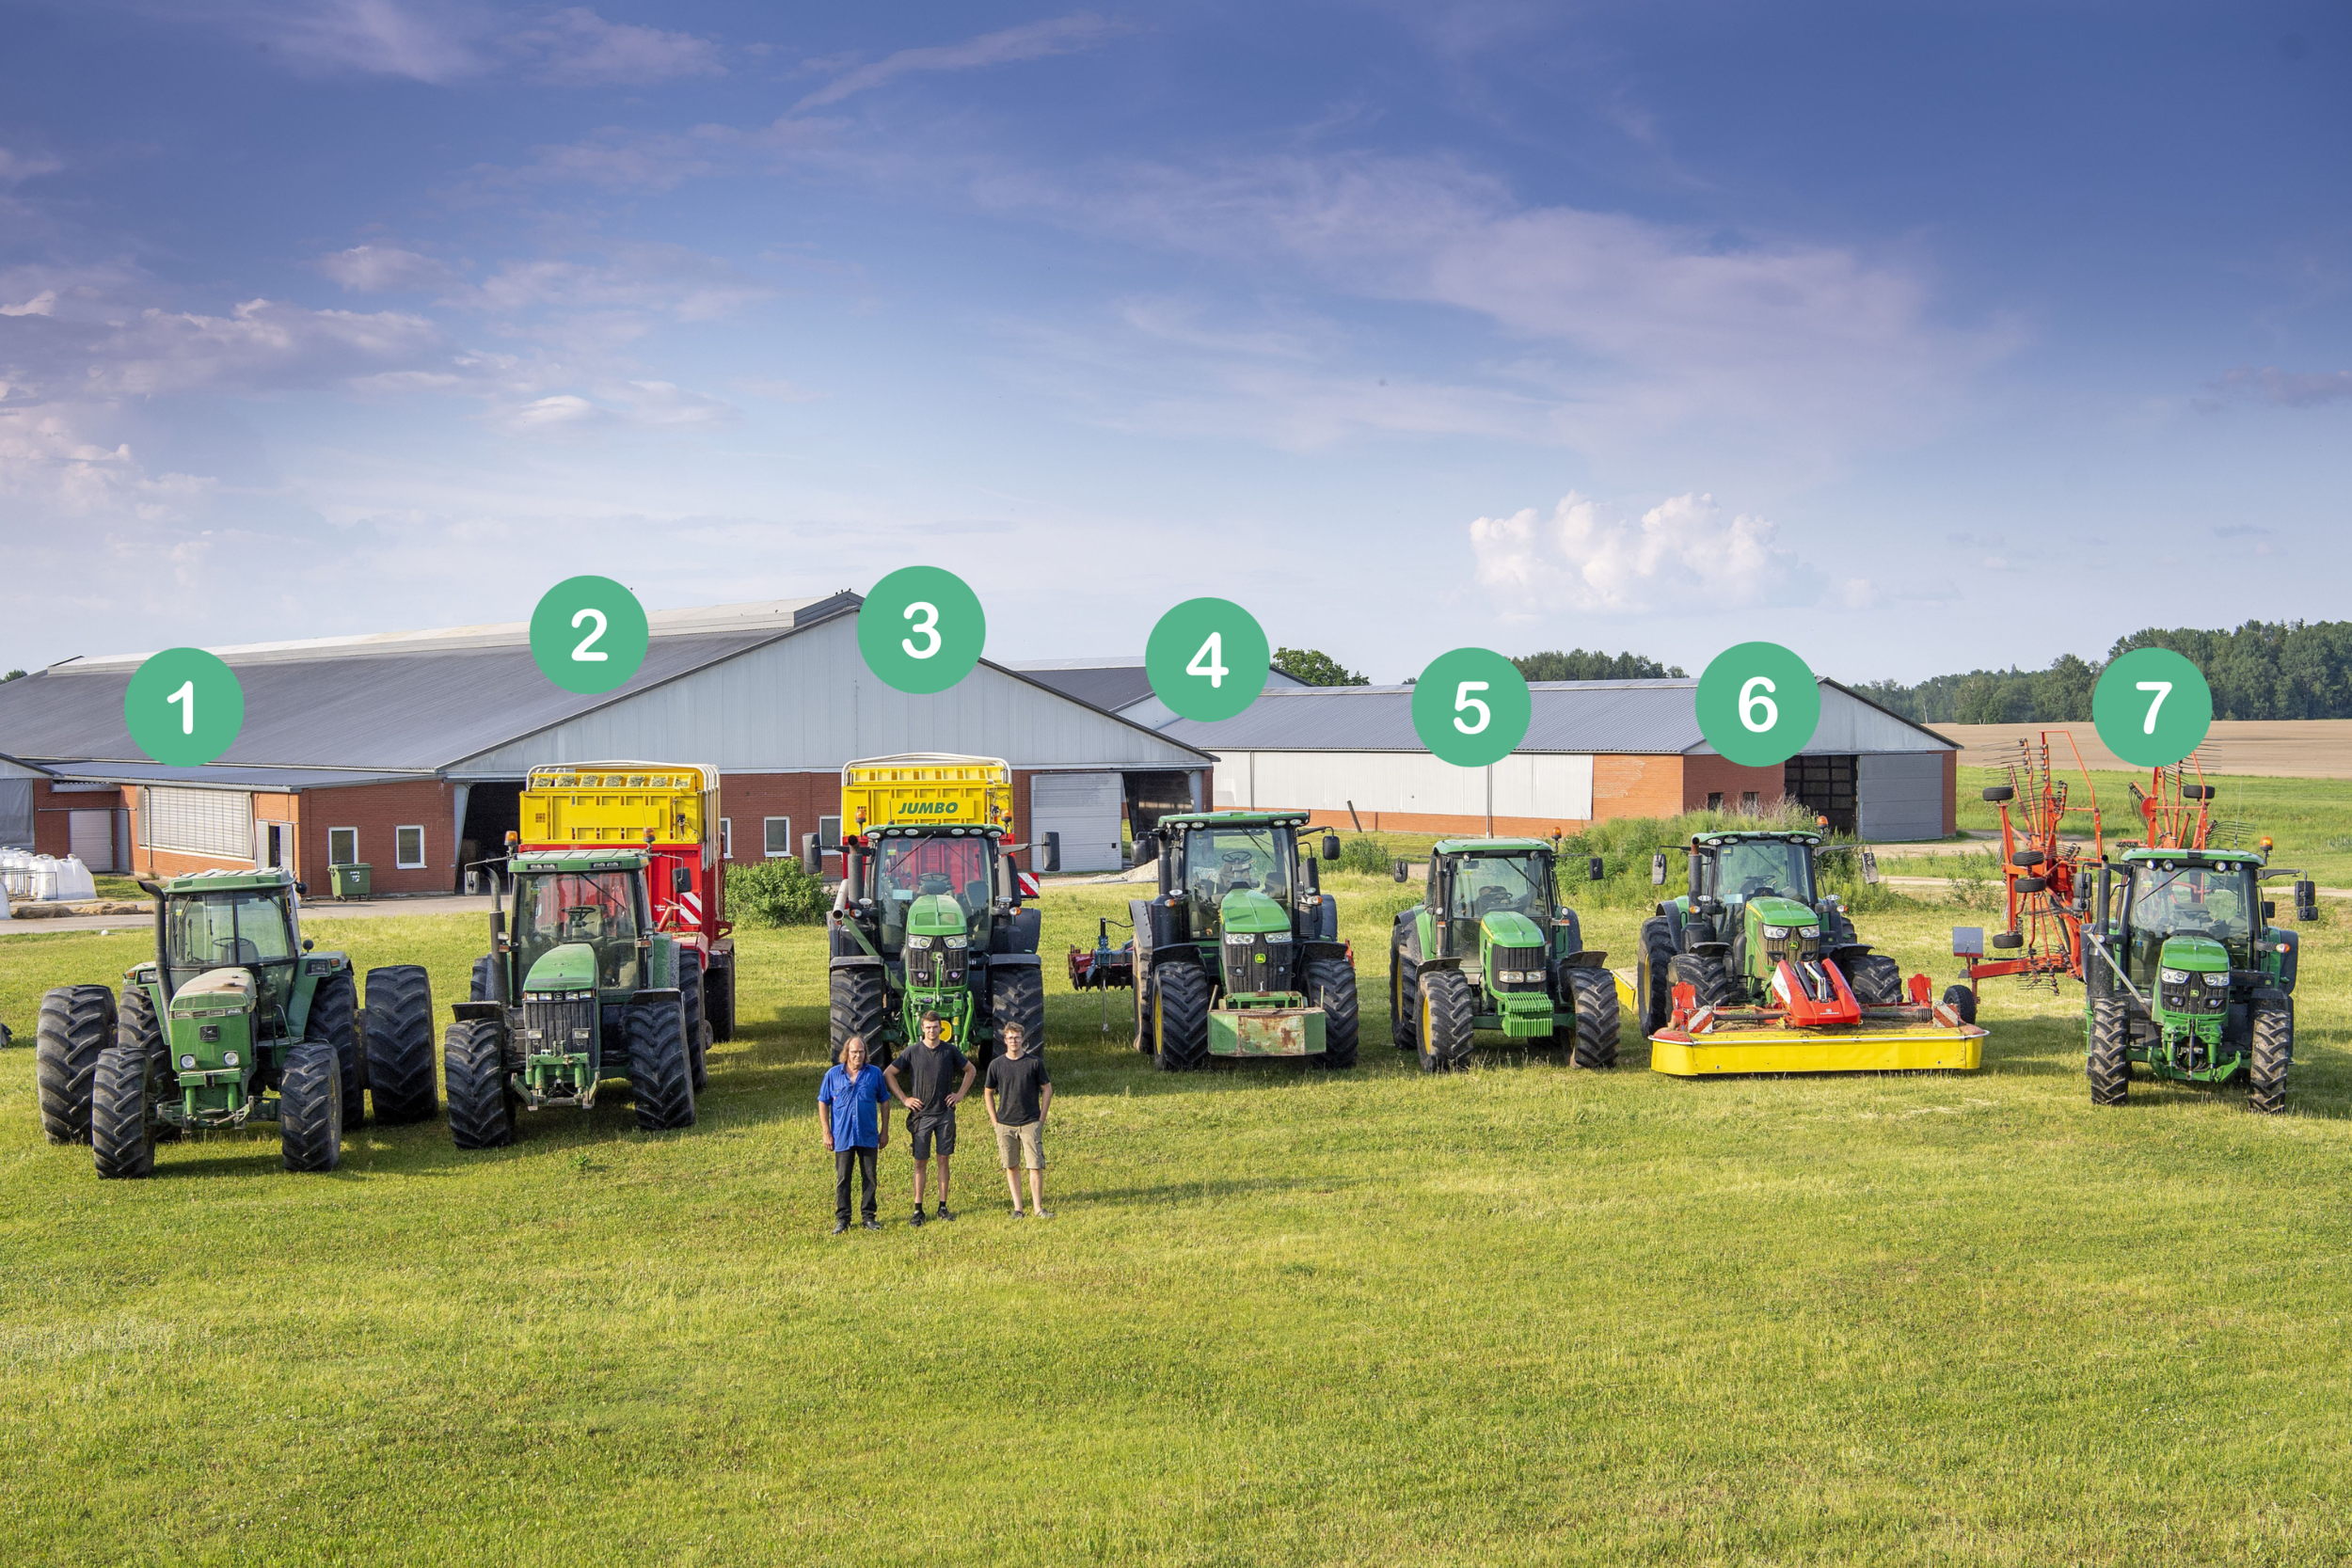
1428	965
1011	960
1311	951
1139	917
490	1012
656	993
1016	934
852	961
1588	957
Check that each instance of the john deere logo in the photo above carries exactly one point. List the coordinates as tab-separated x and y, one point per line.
927	808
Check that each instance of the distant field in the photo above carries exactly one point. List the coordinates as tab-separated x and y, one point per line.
2294	749
1522	1315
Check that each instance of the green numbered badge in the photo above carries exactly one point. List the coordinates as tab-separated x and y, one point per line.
184	708
1471	707
921	629
1758	704
1207	658
588	634
2153	707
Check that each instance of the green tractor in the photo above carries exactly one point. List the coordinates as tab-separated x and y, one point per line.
578	987
914	930
2186	978
1240	955
235	1021
1488	948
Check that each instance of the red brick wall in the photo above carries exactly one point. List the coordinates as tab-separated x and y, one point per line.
1704	775
51	829
1636	786
375	810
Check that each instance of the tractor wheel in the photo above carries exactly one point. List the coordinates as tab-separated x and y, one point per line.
481	1107
1331	986
2032	884
2274	1050
2110	1071
1180	1017
1403	998
690	990
2028	858
860	1006
661	1073
77	1022
310	1105
1143	1008
1961	1000
1445	1020
480	989
1652	996
2001	792
122	1137
1018	996
719	1002
399	1044
1702	974
332	1022
1594	991
137	1027
1876	980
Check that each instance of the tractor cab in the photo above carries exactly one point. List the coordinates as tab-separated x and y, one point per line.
931	885
580	923
2191	913
1492	895
1237	875
245	927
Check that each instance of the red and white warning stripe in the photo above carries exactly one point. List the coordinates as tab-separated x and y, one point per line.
1029	888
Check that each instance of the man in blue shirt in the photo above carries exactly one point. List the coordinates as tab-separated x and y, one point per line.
853	1114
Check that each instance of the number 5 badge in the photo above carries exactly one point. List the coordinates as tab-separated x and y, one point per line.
1470	707
921	629
1758	704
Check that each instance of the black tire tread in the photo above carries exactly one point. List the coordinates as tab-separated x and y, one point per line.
1447	1009
719	1000
1331	986
1876	980
860	999
479	989
334	1021
661	1075
1181	1037
690	990
122	1137
1403	998
481	1107
1702	974
2108	1067
2274	1052
1655	1000
399	1044
1593	995
311	1107
1017	995
77	1024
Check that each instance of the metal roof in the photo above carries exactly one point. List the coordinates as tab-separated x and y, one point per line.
223	776
1652	717
1109	687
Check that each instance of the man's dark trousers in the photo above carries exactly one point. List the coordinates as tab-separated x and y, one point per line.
843	1161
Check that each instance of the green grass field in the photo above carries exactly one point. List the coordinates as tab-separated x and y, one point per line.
1521	1315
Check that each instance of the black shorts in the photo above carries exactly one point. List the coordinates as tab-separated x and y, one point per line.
923	1130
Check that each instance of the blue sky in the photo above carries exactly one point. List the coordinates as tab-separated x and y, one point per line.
1914	337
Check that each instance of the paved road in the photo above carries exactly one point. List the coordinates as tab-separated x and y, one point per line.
316	909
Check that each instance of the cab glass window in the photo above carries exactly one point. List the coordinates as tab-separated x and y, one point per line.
1219	861
908	869
1756	867
2171	899
597	907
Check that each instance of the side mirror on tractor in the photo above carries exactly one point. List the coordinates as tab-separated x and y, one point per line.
2306	900
1595	870
1658	870
1330	846
2270	910
1401	871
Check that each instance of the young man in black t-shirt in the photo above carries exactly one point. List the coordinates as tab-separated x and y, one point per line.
930	1067
1019	1095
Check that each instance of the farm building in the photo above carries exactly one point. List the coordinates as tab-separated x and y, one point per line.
1593	750
407	751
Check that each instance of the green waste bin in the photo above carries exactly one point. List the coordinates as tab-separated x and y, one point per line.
351	880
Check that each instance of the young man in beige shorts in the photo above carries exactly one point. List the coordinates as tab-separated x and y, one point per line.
1019	1096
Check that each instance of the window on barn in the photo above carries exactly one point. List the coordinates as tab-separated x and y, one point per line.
779	836
727	839
408	848
342	846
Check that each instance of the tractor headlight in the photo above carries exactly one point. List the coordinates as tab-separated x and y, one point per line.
1808	931
956	941
1511	976
2218	979
1278	936
1241	936
918	942
187	1064
229	1058
2176	976
1776	933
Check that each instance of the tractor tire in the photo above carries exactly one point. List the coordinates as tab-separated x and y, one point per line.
1653	998
2032	884
2109	1069
1331	986
1143	1008
480	989
2028	858
1017	996
311	1105
860	1006
690	989
1594	991
2274	1052
1702	974
334	1022
121	1134
719	1002
1446	1012
1404	999
137	1027
661	1071
480	1106
77	1024
400	1045
1877	981
1961	1000
2006	939
2001	792
1180	1017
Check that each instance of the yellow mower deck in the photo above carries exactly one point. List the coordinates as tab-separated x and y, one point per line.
1907	1044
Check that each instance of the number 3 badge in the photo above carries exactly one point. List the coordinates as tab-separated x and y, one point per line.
588	634
921	629
1758	704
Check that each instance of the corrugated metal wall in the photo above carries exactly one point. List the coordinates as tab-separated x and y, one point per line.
1549	785
809	703
1853	727
1899	796
1084	809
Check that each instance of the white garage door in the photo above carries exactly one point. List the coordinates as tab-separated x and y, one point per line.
1084	808
91	833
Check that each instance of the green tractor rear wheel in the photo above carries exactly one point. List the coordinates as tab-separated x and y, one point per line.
1594	991
122	1137
137	1027
1651	994
481	1105
1331	986
1404	999
77	1022
2274	1050
1180	1017
661	1075
860	1006
1446	1013
399	1050
334	1022
2109	1069
310	1105
480	989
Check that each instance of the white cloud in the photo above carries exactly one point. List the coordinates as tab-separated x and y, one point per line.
24	165
2286	388
375	269
1579	558
576	47
425	43
1029	41
446	42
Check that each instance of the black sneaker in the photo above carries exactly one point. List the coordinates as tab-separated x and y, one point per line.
945	1212
839	1225
918	1219
873	1224
1017	1214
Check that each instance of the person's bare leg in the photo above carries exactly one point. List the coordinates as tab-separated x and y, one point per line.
1012	1185
918	1185
943	1181
1037	1196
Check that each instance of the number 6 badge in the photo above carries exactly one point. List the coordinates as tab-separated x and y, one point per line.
1758	704
921	629
588	634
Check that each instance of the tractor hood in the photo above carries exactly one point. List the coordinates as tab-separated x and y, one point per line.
570	967
935	914
1247	909
216	991
1776	911
2198	954
1510	929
